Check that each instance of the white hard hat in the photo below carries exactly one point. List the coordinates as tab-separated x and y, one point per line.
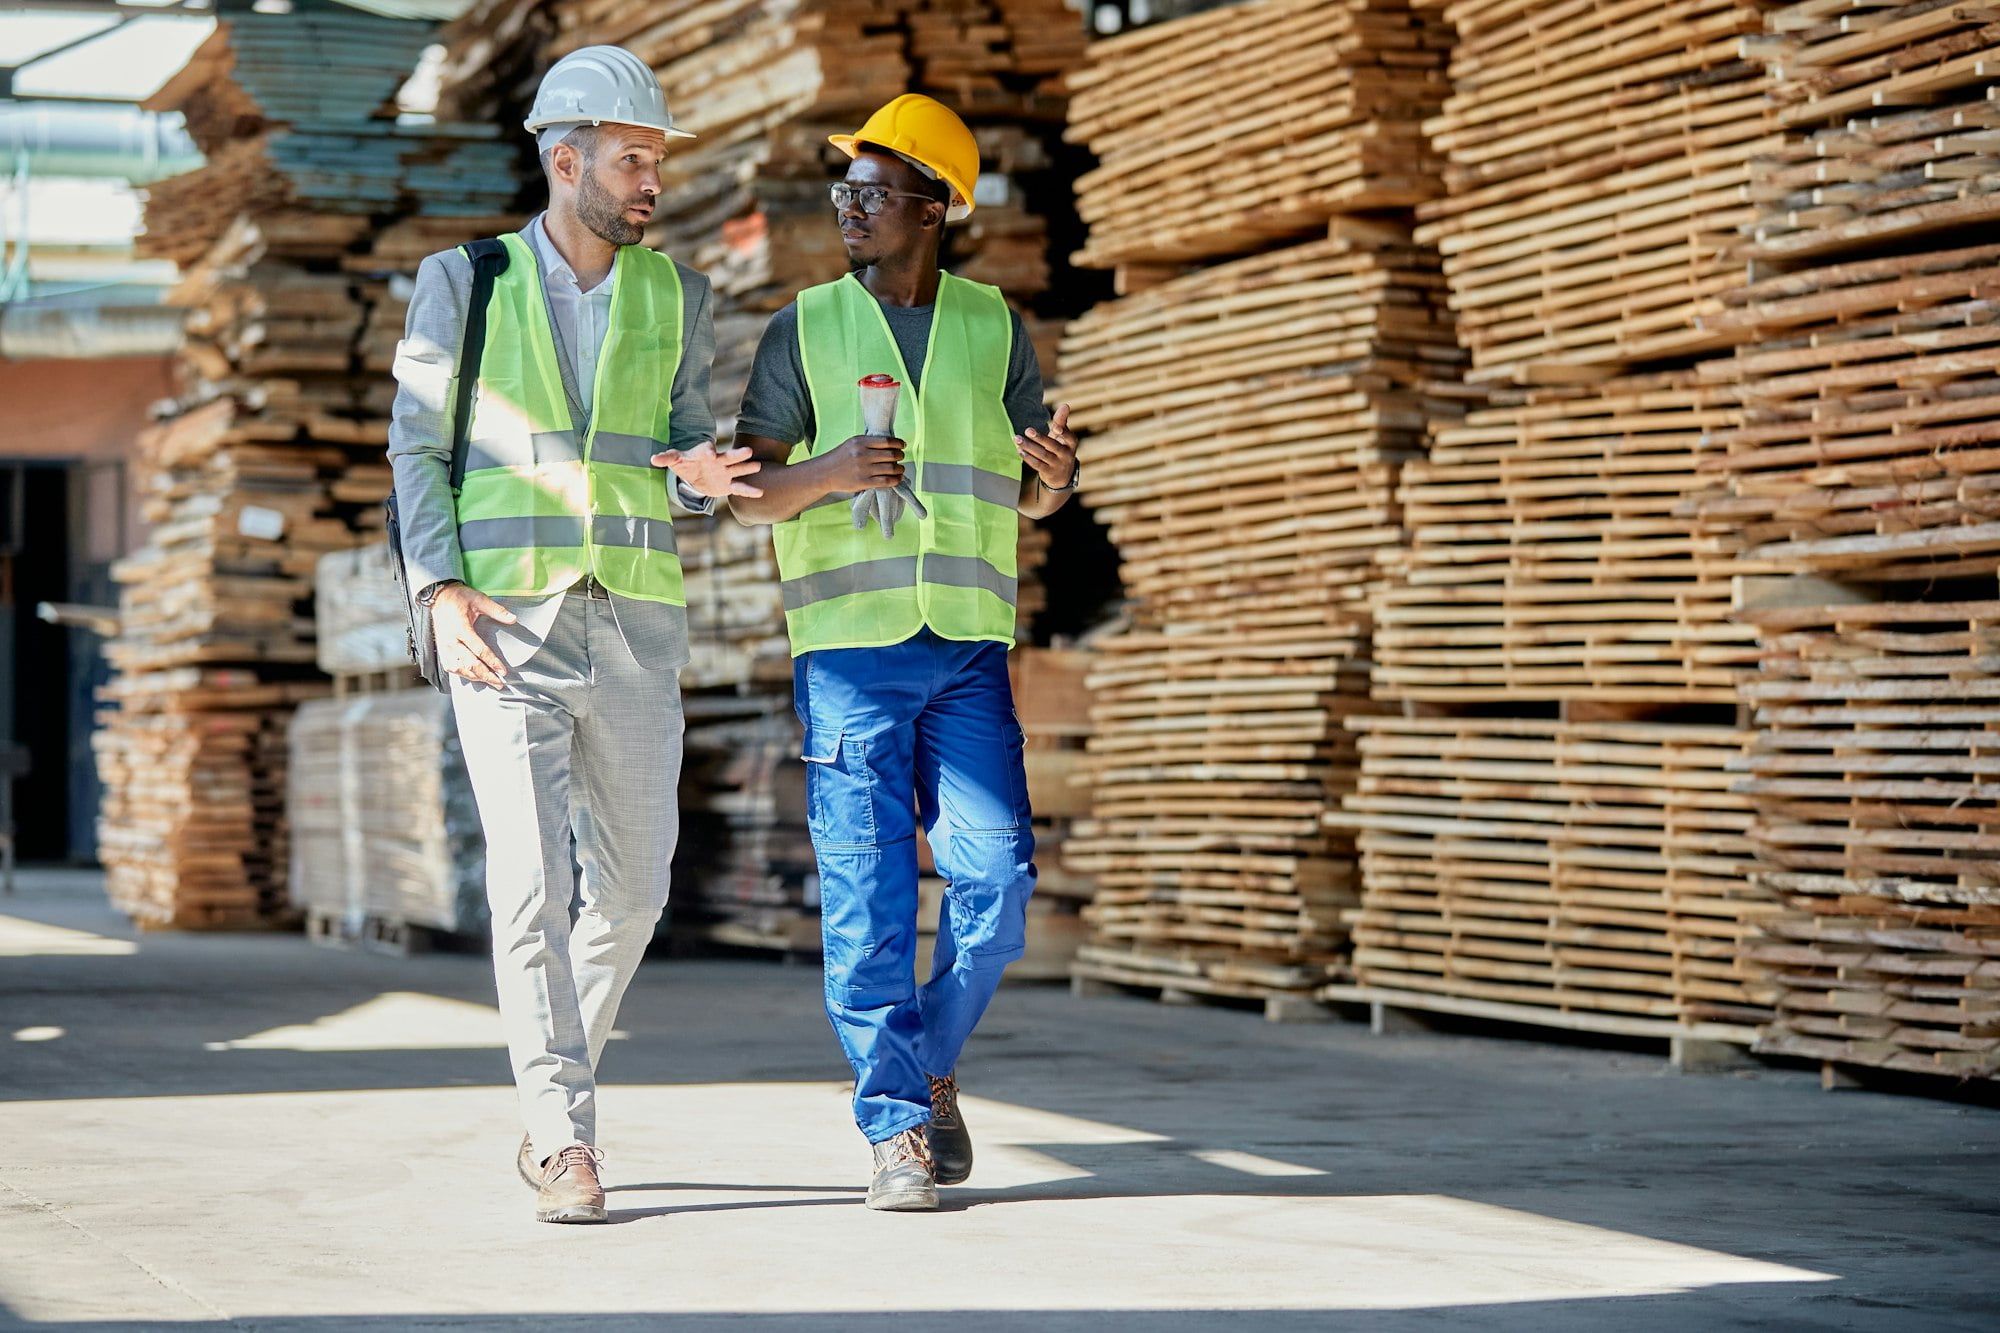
598	85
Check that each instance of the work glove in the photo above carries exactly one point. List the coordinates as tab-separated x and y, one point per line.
886	507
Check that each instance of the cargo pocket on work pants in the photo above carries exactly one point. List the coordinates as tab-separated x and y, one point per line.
867	892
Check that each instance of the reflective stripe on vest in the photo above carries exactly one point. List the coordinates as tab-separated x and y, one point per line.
530	483
954	571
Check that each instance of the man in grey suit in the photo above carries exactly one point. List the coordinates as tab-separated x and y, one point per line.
548	563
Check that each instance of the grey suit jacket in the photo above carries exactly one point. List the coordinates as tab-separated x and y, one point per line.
420	434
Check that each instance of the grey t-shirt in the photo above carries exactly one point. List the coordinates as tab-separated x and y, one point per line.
778	406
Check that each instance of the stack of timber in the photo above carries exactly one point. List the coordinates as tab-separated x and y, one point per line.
1052	698
1872	775
1244	427
1867	449
191	830
1870	764
1908	986
384	829
746	202
1558	873
289	110
294	275
1548	834
1549	559
744	873
1252	125
1598	156
1866	464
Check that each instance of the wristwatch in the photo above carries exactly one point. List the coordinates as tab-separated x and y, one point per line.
1075	475
430	591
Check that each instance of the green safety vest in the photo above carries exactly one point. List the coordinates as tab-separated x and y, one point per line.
954	571
539	508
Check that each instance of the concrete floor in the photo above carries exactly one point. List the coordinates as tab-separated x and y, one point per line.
251	1133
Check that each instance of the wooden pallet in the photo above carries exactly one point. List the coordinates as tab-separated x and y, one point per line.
377	934
1692	1047
1284	995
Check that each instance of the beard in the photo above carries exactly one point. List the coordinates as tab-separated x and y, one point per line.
604	215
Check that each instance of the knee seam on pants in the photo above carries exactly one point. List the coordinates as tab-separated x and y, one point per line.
993	957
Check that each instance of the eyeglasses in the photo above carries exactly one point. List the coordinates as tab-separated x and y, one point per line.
873	198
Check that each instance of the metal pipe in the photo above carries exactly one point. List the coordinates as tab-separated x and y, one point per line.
77	139
69	332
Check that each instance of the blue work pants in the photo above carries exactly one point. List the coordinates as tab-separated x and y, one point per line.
923	728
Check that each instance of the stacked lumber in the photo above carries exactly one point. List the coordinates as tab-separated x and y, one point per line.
1848	178
1875	823
1598	156
295	271
1244	426
1550	831
744	873
384	829
1254	124
1052	698
296	111
1870	769
1569	871
1868	443
211	652
1867	375
1549	559
1866	980
191	829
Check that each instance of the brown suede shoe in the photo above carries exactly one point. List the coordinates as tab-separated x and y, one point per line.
570	1191
528	1164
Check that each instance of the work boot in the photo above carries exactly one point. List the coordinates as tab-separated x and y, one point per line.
569	1189
529	1165
903	1182
950	1140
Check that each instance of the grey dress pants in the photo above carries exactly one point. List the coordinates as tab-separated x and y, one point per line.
581	742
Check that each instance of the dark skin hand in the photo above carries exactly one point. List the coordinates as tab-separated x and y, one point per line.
895	255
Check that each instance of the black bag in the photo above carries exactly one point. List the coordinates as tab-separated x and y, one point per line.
489	261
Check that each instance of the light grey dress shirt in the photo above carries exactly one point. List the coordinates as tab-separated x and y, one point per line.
420	431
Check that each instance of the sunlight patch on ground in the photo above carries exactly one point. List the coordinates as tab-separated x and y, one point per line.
1250	1164
33	939
710	1181
393	1021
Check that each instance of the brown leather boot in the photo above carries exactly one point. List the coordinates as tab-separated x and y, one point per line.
529	1165
570	1191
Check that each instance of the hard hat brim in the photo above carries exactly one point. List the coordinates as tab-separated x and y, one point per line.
957	211
534	125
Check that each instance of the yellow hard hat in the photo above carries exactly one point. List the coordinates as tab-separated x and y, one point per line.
929	135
